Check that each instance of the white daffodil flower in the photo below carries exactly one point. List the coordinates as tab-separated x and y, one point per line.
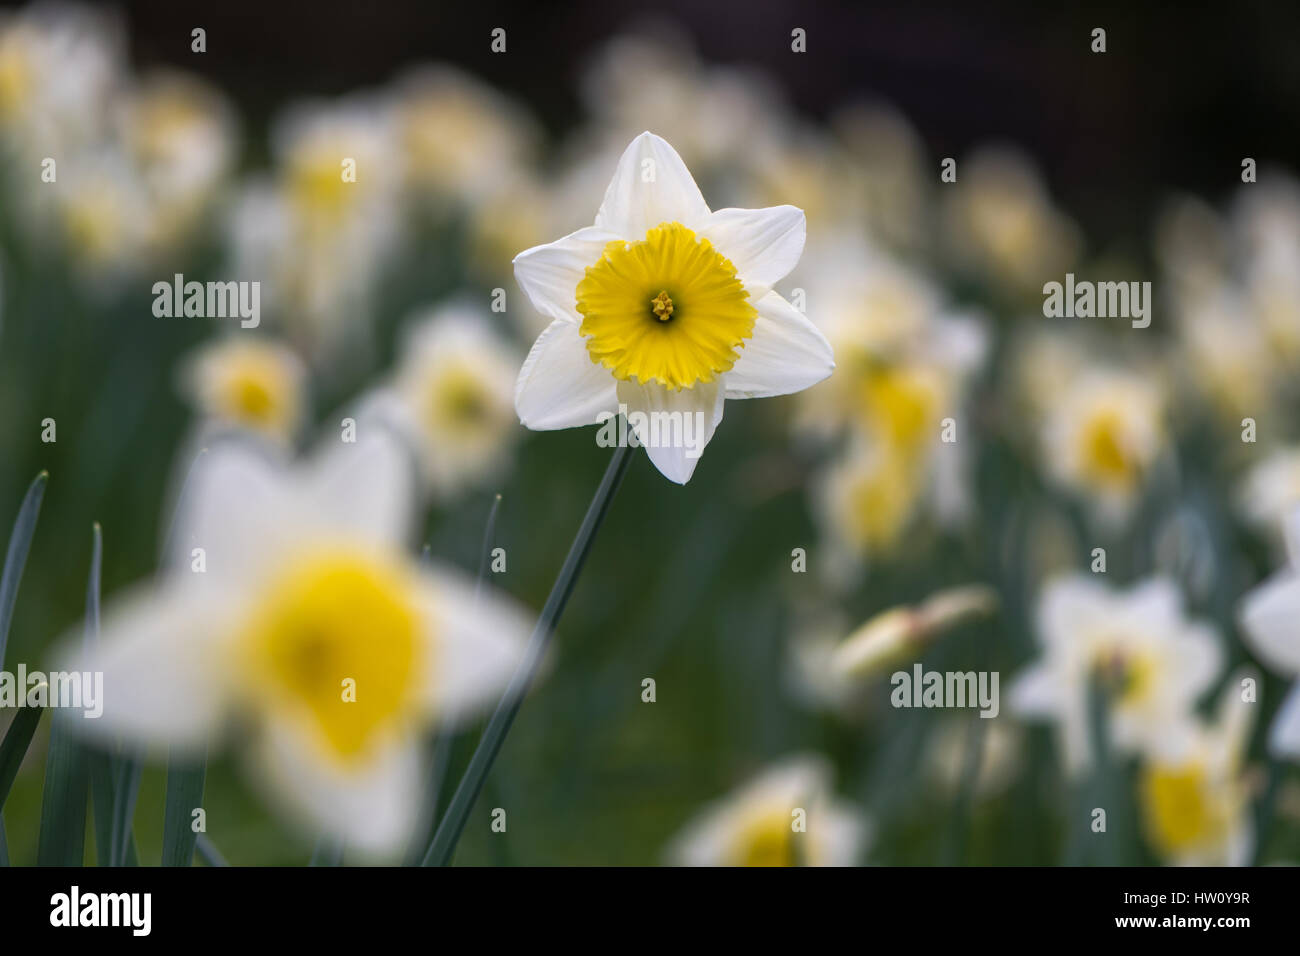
1154	661
665	308
450	397
1270	619
787	816
1194	795
248	383
292	613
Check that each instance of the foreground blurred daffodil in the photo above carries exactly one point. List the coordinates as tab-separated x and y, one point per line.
787	816
663	306
293	613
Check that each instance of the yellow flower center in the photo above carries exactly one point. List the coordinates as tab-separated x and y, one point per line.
460	402
251	388
1105	457
1181	809
668	308
337	638
317	189
901	403
1132	677
15	79
767	839
881	499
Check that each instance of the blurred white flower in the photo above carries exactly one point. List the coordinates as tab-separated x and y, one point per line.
1271	491
665	307
250	383
317	233
292	612
181	135
450	396
1194	797
1002	223
458	138
59	67
1102	436
787	816
1270	621
1150	661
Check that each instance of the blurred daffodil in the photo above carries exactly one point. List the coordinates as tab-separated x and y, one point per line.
665	307
1194	796
292	616
249	383
1003	225
451	396
1151	662
1103	435
787	816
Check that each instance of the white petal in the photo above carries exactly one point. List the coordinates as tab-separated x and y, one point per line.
651	185
763	244
373	806
549	274
366	488
1284	734
231	498
1270	618
786	353
1036	692
165	678
839	832
673	426
478	637
559	385
1067	607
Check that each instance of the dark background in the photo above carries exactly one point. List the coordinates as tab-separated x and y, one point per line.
1182	94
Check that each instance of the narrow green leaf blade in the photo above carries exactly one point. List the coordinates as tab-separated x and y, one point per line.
184	795
14	747
20	543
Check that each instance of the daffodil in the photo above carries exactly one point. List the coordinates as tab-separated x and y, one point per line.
249	383
1149	660
1103	435
292	616
180	134
663	306
1194	796
450	396
787	816
1270	620
1002	223
1271	491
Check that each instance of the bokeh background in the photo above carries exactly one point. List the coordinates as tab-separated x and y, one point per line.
1073	434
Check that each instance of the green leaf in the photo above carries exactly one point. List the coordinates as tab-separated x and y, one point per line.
471	784
20	542
209	852
184	794
126	787
67	764
101	791
14	747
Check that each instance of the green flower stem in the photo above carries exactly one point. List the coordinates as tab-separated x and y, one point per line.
471	784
